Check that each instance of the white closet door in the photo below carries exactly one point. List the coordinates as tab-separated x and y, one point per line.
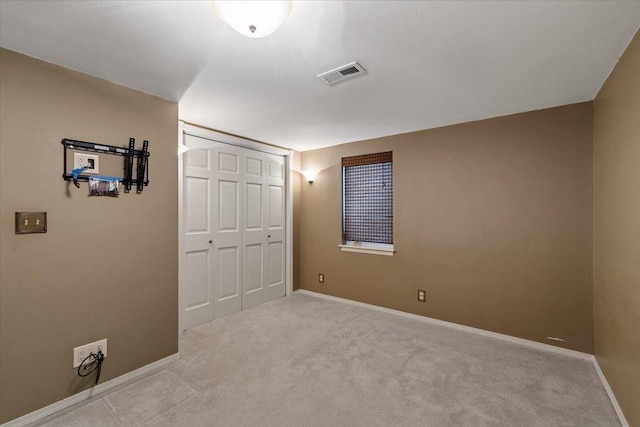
254	234
197	289
234	213
227	230
275	224
263	234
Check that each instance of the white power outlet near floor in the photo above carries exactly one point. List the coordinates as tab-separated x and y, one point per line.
82	352
91	161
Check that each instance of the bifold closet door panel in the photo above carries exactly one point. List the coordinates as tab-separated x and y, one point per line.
275	251
197	290
227	229
254	235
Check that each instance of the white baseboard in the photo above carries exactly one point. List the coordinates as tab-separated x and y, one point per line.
521	341
607	387
72	400
83	395
485	333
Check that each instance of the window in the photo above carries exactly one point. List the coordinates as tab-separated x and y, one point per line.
367	203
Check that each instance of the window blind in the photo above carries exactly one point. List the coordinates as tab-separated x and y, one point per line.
368	198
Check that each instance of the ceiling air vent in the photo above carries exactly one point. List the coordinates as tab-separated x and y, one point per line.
343	73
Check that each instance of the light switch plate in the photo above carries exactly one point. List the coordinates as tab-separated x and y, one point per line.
31	222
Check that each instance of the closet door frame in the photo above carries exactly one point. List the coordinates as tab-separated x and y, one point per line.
189	129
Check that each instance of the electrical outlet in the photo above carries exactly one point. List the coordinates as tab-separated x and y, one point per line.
422	295
81	160
321	278
82	352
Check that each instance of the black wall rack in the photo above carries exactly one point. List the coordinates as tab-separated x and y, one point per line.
129	154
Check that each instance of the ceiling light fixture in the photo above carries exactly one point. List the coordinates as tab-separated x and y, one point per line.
253	18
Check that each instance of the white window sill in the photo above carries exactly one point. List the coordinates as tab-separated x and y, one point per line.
368	248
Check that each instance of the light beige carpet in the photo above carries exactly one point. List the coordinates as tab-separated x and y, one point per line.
303	361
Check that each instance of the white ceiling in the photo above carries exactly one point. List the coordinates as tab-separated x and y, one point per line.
429	63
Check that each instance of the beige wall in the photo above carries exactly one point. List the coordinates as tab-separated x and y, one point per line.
107	268
617	230
492	218
295	188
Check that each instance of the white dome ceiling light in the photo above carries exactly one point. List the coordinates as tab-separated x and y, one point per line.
253	18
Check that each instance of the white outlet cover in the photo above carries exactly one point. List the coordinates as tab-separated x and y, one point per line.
81	352
82	159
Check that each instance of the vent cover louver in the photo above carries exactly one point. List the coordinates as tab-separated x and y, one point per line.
343	73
